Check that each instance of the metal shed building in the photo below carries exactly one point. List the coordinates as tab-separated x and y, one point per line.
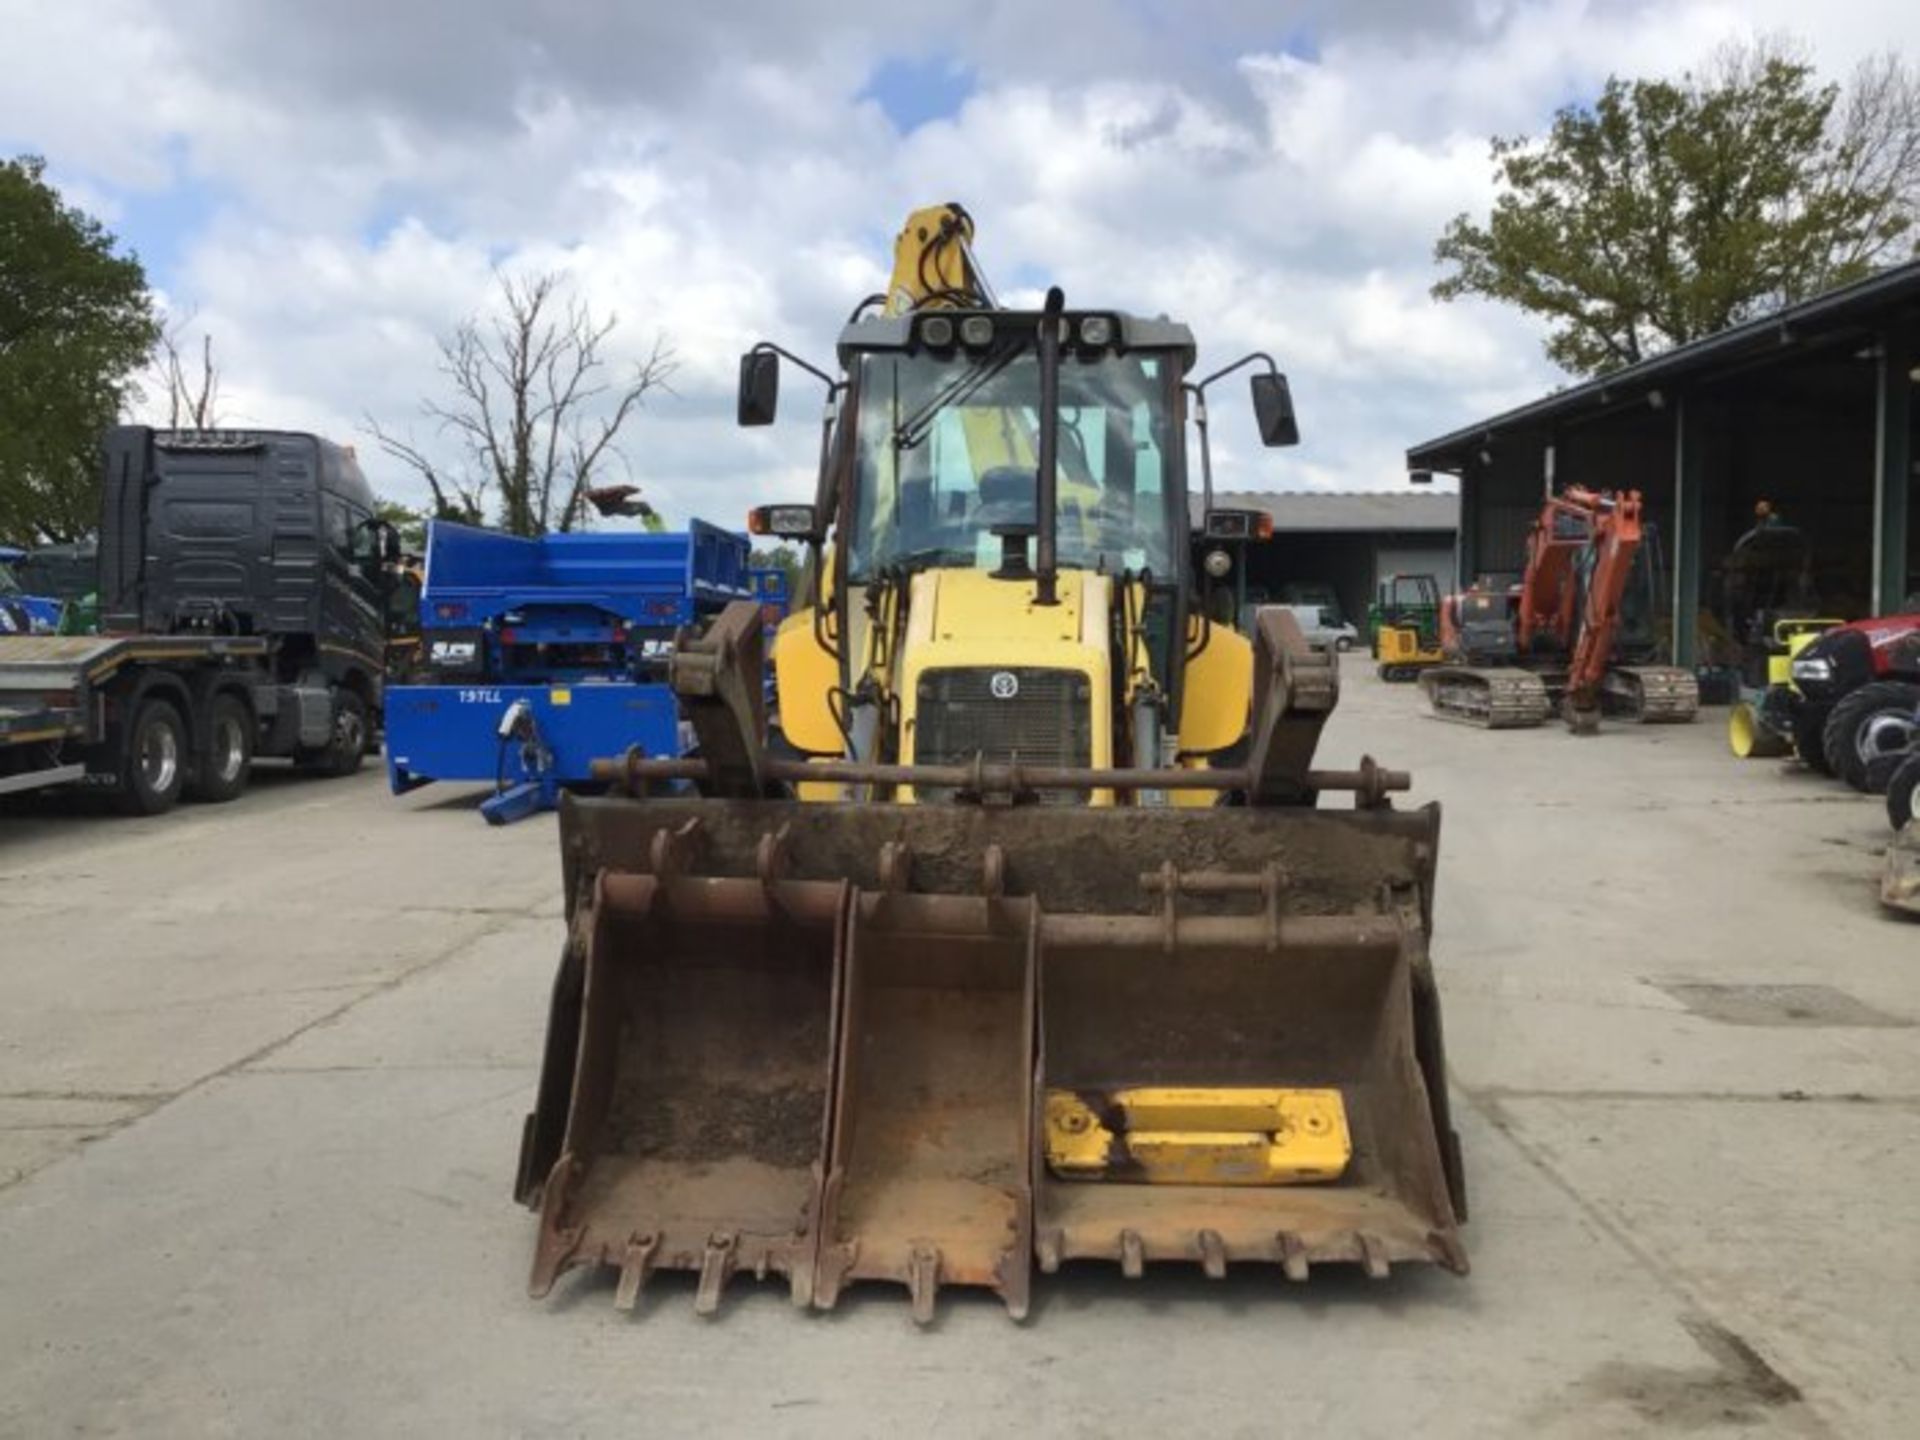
1348	540
1810	409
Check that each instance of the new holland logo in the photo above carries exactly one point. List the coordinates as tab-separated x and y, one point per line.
1004	685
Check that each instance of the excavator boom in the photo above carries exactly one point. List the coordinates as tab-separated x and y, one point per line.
1584	553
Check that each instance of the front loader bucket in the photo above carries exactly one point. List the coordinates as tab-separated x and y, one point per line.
700	1059
1052	1033
930	1182
1196	1013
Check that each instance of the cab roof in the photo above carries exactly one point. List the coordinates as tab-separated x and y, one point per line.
899	332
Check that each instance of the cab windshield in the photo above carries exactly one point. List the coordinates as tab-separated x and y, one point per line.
946	451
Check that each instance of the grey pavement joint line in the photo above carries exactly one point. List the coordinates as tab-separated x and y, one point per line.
1721	1342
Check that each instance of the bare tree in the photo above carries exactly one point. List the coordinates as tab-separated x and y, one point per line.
193	401
533	405
453	497
1877	154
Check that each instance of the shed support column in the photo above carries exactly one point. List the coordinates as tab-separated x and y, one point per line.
1893	468
1463	549
1688	451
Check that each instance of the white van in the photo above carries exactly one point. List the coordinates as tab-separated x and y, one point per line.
1321	631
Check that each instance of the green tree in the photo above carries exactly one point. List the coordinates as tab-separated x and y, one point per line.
1671	209
788	559
410	524
76	323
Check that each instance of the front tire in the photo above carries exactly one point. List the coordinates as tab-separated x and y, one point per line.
1852	727
153	763
222	768
1903	793
1809	736
348	747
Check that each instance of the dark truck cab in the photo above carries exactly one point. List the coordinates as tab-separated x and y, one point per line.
242	580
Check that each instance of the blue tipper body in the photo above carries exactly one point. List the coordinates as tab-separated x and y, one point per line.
546	654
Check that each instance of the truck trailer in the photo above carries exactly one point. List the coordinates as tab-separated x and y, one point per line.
541	655
242	579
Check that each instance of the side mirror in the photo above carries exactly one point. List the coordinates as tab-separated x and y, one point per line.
1419	477
759	387
783	522
391	547
1273	408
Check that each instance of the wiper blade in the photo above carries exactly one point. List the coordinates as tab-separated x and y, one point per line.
926	557
916	426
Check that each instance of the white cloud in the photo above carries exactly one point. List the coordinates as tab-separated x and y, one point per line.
711	173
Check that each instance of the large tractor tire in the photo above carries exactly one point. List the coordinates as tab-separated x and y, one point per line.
1875	719
1903	792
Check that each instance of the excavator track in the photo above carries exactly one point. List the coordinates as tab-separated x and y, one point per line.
1651	694
1491	699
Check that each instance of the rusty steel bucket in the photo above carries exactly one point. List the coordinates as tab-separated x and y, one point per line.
942	972
931	1180
1248	1003
701	1060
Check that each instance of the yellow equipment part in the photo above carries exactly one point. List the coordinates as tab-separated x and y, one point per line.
806	674
932	264
1401	654
1219	692
1749	739
1165	1135
1790	637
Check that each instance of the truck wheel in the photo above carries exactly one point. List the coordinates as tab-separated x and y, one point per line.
1903	793
1809	737
1875	718
343	753
220	771
153	762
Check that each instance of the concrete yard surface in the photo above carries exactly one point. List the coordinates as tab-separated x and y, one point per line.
263	1069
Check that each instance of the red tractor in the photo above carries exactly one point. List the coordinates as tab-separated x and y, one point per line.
1859	690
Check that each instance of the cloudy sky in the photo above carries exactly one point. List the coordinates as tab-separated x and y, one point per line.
328	184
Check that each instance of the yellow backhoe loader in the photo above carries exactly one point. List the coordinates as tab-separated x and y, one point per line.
1014	932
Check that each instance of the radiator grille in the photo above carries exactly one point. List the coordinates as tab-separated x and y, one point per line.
1011	713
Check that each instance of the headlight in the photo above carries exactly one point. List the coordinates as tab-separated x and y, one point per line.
937	332
1812	668
976	331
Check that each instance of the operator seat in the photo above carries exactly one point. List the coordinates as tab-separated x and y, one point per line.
1009	495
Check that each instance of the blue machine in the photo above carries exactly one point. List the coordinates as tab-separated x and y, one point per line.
21	613
546	654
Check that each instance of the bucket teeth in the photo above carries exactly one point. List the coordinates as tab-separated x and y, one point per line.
923	1281
715	1266
634	1269
1046	1251
1373	1255
1293	1256
1213	1255
1132	1255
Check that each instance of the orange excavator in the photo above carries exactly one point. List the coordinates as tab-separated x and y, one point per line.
1576	629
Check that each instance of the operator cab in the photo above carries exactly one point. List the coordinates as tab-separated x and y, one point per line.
932	454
